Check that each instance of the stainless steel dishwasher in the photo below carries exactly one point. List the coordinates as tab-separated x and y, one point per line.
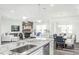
46	49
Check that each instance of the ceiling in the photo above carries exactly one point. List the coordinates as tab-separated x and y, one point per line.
18	11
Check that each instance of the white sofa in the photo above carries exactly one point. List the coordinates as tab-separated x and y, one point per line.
9	38
70	41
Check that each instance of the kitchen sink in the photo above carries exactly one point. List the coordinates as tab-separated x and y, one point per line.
23	48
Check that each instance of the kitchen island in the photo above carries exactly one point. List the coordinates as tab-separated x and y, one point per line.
28	47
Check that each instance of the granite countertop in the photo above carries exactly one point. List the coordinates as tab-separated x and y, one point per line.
7	47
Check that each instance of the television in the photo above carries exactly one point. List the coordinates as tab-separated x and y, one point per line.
15	28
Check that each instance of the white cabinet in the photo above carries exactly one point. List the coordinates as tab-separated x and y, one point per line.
51	47
38	52
47	49
44	50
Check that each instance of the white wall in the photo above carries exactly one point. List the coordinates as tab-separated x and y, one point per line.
68	21
12	14
61	14
0	30
7	22
52	16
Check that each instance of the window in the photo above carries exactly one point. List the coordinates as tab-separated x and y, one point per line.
65	28
41	28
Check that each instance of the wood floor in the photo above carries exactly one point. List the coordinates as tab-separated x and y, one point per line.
74	51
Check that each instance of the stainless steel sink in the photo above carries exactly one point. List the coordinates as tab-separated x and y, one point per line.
23	48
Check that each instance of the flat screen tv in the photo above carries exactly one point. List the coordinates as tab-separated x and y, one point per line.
15	28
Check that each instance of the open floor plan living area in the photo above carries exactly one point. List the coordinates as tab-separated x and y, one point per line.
39	29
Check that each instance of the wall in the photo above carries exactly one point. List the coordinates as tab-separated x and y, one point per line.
7	22
51	16
66	20
13	14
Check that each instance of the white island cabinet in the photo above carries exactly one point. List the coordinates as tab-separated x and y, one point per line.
38	52
47	49
42	47
51	47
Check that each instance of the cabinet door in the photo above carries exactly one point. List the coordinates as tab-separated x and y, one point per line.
51	47
46	49
38	52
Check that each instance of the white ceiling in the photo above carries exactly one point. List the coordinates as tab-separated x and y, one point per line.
17	11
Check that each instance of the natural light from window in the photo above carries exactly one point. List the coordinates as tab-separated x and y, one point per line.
65	28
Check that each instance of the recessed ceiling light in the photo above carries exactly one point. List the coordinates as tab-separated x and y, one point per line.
51	5
12	11
39	21
24	17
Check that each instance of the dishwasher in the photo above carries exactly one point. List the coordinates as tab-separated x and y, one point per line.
46	49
